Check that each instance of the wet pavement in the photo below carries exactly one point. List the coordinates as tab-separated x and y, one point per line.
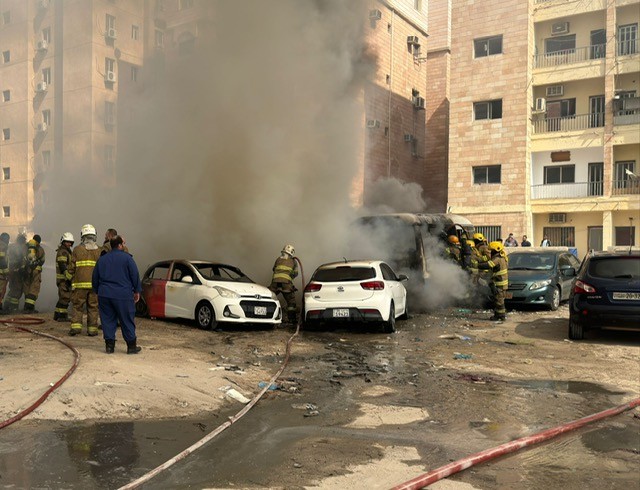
347	399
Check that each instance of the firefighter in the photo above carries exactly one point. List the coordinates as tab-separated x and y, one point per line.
33	278
453	252
285	271
498	266
473	262
4	265
83	260
63	278
17	270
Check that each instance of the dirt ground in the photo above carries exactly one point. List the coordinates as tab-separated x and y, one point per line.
446	359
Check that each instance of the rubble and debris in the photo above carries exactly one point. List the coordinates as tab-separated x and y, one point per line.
236	395
272	387
458	355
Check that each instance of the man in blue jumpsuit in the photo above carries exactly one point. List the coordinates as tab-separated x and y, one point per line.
117	282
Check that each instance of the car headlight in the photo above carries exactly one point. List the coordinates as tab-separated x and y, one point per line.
226	293
540	284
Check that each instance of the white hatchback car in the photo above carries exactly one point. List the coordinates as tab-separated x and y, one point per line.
357	291
206	292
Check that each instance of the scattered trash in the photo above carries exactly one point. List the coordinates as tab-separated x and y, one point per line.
200	426
417	339
297	465
452	336
182	375
304	406
465	311
231	367
217	368
528	361
474	378
458	355
1	378
236	395
312	413
273	386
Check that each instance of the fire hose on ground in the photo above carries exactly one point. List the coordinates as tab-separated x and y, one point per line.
232	420
17	324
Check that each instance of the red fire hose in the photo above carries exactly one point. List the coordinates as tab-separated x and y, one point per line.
489	454
25	320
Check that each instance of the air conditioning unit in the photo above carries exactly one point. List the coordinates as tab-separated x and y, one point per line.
557	217
42	45
413	41
373	123
110	77
375	14
541	105
418	102
408	138
43	4
559	28
112	33
42	127
41	87
555	90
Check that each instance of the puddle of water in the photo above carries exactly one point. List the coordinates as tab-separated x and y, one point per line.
574	387
615	438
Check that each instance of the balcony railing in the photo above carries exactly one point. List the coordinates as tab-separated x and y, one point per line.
625	187
626	117
562	191
570	56
628	47
568	123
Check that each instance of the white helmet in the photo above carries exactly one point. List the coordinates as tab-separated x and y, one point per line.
288	249
87	230
67	237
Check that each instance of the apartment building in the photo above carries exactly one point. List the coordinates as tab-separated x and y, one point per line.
545	119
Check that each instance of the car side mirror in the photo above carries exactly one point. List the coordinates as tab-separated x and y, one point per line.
187	279
402	278
569	271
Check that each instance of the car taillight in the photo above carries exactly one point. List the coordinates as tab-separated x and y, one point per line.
372	285
583	288
312	287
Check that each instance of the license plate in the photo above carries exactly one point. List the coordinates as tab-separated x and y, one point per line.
341	313
627	296
260	310
508	295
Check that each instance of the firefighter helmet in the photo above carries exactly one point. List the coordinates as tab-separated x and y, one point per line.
67	237
453	239
496	247
87	230
471	243
479	237
288	249
4	237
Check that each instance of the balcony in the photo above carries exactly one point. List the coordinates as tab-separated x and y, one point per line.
570	56
567	191
554	9
626	187
568	123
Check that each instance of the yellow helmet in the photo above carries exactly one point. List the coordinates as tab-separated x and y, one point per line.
453	239
496	247
479	237
471	243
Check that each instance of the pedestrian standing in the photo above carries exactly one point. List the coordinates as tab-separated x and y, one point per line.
545	242
511	241
4	265
33	277
525	242
17	270
63	278
285	271
116	281
83	261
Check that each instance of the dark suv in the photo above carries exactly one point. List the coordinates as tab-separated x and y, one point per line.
606	293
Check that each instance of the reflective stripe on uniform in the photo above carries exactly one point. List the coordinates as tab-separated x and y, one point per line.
500	278
81	285
62	258
76	326
86	263
61	277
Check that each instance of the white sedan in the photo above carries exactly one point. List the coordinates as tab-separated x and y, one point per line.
206	292
358	291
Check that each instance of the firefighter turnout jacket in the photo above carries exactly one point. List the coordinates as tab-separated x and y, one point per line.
499	268
4	260
63	260
285	270
81	266
35	256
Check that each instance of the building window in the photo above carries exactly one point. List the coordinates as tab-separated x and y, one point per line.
6	134
6	95
46	75
109	113
626	235
185	4
487	46
560	44
6	173
159	39
627	39
6	211
6	17
46	160
489	109
6	56
135	32
624	176
560	236
46	117
46	34
134	73
491	233
487	174
560	174
110	22
109	159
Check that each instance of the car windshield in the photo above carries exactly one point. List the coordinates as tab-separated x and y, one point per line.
532	261
615	268
344	273
219	272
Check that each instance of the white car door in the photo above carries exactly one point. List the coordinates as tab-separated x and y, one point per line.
180	295
396	288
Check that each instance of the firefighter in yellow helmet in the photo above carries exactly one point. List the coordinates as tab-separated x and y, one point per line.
498	266
473	263
63	278
452	251
17	271
83	261
33	277
4	265
285	271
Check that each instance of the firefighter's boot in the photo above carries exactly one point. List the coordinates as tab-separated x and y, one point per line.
109	346
56	316
132	347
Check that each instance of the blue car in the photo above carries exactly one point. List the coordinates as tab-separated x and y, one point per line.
540	277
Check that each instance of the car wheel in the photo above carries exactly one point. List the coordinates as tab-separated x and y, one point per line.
405	315
390	325
576	330
142	310
555	299
205	316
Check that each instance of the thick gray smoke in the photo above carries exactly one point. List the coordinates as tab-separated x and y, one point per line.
228	154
